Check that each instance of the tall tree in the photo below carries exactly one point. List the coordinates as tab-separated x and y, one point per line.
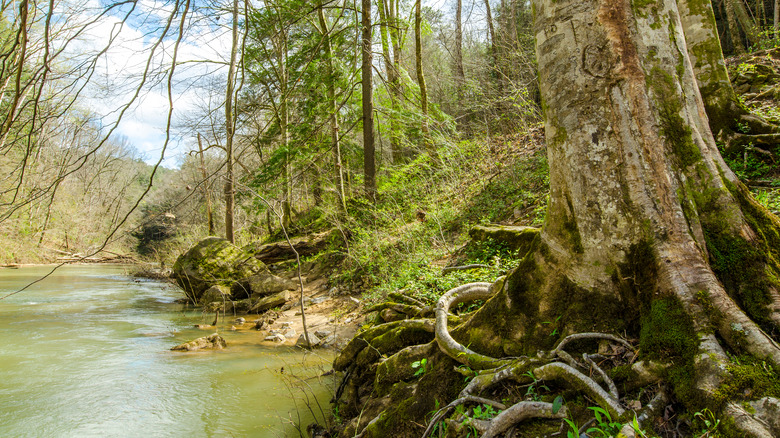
428	145
648	233
333	108
459	74
230	125
369	151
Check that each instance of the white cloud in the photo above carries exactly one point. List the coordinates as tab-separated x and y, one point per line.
120	69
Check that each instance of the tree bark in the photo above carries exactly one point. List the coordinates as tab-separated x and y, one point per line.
369	151
776	21
334	112
230	127
642	207
734	33
206	191
428	144
459	74
387	21
724	109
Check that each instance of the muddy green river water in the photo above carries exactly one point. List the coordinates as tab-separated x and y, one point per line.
85	353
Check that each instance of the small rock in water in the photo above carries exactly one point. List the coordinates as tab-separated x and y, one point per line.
278	337
261	325
322	333
233	328
211	342
313	341
287	324
289	333
202	326
240	320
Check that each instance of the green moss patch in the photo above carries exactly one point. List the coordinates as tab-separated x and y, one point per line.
749	379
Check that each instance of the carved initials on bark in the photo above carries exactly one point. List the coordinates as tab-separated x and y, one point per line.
595	60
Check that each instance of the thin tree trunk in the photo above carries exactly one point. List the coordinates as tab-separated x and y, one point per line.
229	130
491	33
392	78
334	112
459	74
369	151
429	147
206	191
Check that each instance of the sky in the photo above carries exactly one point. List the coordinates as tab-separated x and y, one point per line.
120	68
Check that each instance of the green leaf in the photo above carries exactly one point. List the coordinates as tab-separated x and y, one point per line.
557	404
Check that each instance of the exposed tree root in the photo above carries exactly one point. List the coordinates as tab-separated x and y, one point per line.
520	412
452	348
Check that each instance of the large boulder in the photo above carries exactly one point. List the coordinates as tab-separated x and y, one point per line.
215	261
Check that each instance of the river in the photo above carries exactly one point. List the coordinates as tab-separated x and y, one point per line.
85	353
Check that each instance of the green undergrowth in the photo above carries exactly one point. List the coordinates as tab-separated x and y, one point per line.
424	210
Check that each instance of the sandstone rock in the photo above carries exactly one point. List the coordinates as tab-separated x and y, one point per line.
215	261
277	337
217	293
211	342
515	238
308	245
270	302
313	341
266	283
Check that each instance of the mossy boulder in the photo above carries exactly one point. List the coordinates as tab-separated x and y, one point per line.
513	238
215	261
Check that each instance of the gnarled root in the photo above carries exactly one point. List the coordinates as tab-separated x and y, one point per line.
519	412
452	348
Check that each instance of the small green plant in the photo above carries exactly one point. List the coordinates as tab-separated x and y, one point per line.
532	392
705	424
605	426
484	412
420	366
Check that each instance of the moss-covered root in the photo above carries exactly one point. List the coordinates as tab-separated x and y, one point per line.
649	412
520	412
350	353
568	375
448	345
516	371
443	412
753	423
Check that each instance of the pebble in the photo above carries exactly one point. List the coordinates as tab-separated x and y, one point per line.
240	320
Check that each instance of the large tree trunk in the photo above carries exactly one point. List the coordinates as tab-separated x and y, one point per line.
369	166
644	214
725	112
648	232
734	32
